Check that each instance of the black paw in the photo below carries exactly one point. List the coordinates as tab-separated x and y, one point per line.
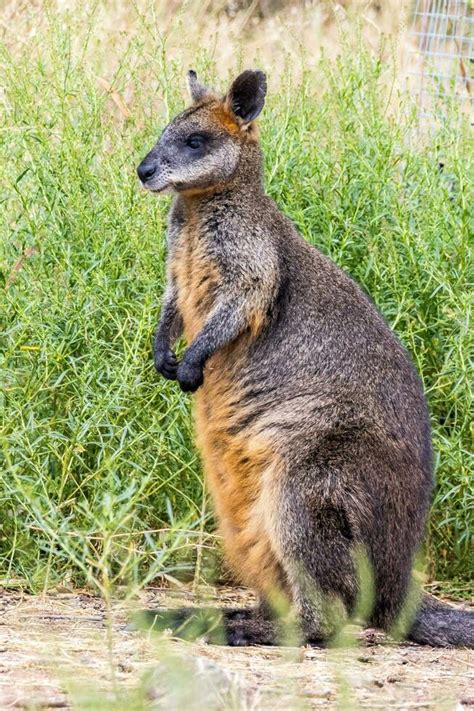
190	376
165	362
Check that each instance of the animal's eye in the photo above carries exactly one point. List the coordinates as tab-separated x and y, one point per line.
195	141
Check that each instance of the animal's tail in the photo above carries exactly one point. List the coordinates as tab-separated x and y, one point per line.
440	625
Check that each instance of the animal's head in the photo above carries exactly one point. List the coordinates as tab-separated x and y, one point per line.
201	147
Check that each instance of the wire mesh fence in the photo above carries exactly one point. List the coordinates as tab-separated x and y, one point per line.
444	43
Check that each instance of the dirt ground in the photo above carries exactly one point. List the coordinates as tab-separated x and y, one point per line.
66	651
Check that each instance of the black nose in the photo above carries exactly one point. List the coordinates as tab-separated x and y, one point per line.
146	171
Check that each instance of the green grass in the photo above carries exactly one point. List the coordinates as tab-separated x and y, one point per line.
100	480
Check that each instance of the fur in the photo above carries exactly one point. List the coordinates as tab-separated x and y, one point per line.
310	416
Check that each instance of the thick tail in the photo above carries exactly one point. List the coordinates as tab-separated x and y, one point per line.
440	625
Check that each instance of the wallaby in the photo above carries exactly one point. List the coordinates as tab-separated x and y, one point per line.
310	416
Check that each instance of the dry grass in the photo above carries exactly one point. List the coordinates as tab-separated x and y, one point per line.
62	651
291	37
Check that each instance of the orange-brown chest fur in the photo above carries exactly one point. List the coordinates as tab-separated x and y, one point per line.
240	468
197	279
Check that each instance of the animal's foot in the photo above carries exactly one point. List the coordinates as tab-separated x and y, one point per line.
234	627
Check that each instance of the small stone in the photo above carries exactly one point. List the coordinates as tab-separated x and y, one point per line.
125	667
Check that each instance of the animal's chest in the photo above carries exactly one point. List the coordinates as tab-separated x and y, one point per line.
196	276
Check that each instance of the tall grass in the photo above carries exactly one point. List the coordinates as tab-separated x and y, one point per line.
100	480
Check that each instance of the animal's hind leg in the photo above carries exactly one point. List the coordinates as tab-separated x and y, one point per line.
392	549
315	541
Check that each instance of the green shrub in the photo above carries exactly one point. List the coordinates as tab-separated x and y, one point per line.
100	479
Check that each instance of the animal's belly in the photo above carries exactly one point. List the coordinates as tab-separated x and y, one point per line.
243	475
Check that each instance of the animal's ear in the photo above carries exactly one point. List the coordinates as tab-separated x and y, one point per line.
196	90
246	96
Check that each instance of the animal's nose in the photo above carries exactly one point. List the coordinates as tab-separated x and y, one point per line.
146	171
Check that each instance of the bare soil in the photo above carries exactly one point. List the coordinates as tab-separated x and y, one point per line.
68	651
